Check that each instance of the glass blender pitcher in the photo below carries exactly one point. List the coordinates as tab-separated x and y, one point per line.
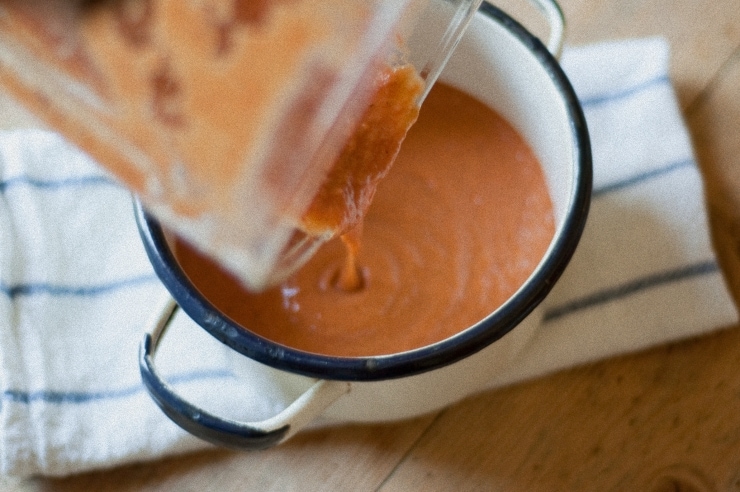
224	117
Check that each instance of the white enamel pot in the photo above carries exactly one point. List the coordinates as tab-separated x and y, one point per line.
504	66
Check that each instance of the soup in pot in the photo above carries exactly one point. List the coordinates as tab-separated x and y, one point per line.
455	228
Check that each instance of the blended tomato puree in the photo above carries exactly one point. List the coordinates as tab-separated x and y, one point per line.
454	230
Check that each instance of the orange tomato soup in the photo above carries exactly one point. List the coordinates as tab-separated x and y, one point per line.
454	230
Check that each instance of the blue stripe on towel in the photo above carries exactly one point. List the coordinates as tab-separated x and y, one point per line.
639	178
80	181
33	289
72	397
618	292
626	93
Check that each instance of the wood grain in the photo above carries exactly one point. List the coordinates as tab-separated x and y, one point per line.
667	419
615	425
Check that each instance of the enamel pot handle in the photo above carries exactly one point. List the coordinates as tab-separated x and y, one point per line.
556	20
221	431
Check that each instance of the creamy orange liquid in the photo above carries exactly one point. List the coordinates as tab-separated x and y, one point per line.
455	228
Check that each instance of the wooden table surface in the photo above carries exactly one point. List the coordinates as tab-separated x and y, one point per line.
667	419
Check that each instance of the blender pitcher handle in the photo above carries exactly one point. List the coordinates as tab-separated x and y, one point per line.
226	432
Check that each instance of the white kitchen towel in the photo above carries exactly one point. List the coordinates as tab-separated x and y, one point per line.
645	271
76	289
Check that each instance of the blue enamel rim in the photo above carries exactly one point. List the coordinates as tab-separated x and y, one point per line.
427	358
222	432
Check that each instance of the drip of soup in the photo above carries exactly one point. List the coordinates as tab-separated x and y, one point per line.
454	230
